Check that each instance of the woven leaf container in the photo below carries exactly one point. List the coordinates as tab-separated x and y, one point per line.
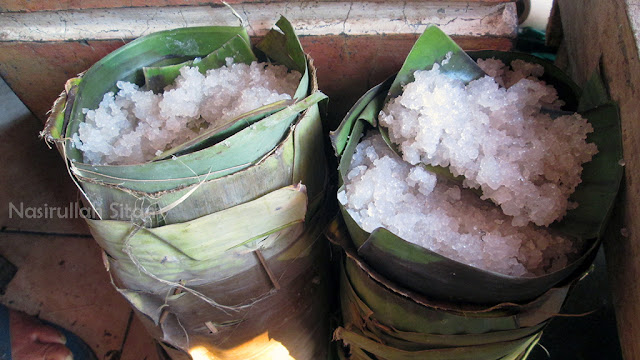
402	301
223	256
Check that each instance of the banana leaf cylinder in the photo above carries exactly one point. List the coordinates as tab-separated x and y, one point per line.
427	272
403	301
221	250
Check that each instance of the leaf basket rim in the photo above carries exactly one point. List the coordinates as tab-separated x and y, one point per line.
589	245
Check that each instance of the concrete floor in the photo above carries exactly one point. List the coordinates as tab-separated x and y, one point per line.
60	275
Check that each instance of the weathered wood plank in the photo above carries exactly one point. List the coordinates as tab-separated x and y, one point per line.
607	32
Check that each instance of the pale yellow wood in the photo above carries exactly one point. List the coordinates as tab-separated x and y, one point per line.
607	31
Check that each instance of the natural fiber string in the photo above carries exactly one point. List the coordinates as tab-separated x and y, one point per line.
127	249
186	333
107	266
165	311
184	197
243	22
236	167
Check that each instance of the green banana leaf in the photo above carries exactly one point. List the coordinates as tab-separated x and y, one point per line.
418	341
192	240
426	272
283	46
126	63
595	92
370	101
235	153
218	133
602	176
157	77
228	286
207	182
230	236
429	273
57	121
364	301
388	322
298	158
432	47
404	314
529	314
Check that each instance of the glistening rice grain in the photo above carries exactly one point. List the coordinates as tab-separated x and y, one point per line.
133	126
381	190
497	138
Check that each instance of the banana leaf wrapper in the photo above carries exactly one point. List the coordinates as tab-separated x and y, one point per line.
253	145
445	279
225	257
383	320
201	284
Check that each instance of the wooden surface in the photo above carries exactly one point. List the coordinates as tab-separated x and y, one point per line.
606	32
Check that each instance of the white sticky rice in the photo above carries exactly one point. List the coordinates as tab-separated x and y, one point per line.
381	190
133	126
492	132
